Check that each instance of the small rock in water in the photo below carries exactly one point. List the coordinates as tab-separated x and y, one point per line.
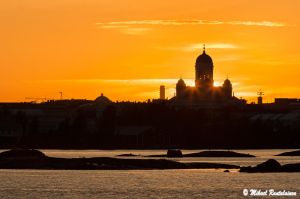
22	153
270	164
174	153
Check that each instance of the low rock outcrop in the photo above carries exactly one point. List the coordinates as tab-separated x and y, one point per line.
174	153
207	154
271	165
290	153
22	153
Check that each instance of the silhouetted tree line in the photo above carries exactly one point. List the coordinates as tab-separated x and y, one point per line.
182	127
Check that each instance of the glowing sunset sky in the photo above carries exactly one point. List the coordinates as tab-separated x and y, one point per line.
127	48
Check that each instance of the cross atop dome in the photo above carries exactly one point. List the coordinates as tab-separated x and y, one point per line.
204	48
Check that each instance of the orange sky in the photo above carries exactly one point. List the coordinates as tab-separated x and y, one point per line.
127	48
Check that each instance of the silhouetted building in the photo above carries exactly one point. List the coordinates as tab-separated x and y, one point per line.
259	100
103	100
180	88
260	97
227	89
162	92
286	101
100	103
204	90
204	80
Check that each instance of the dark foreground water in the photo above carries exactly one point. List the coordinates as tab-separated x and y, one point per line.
145	184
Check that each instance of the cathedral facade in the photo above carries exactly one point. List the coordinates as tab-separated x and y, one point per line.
204	90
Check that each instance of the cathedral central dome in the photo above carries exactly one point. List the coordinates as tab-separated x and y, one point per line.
204	71
204	58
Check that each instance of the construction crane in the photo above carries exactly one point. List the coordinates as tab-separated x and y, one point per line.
38	99
44	99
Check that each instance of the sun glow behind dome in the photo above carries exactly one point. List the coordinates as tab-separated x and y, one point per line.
217	83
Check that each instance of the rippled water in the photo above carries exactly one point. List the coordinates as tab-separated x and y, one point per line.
139	184
145	183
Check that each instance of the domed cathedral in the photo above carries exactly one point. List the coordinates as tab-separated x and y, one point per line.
204	90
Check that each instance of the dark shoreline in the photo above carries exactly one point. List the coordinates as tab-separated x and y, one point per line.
207	153
290	153
150	148
34	159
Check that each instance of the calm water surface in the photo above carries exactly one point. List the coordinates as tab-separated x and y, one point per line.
145	184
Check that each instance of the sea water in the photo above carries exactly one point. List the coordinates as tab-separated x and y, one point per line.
194	183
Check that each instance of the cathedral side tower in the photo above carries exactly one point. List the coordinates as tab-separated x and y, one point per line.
227	89
180	88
